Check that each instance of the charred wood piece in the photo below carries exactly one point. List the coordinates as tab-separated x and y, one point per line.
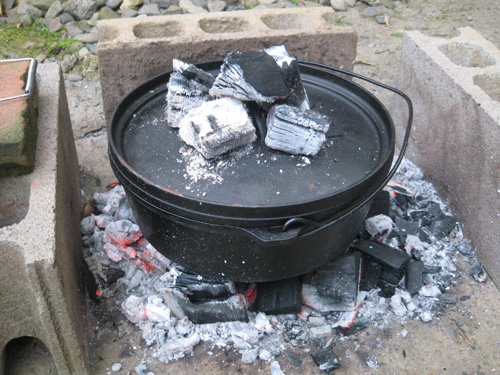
383	254
279	297
250	76
188	88
292	130
414	277
217	127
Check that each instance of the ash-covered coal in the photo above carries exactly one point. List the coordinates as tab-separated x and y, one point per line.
258	82
135	277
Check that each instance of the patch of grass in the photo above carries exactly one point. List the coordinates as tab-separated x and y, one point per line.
399	33
33	40
341	21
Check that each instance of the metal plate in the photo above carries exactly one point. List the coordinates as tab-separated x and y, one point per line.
360	144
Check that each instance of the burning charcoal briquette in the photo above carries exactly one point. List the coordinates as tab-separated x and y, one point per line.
334	287
291	76
292	130
188	88
217	127
326	360
279	297
250	76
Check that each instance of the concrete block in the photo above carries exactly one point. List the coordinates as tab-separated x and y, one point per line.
41	273
131	51
18	128
455	88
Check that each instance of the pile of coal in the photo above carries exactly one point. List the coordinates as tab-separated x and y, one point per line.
212	113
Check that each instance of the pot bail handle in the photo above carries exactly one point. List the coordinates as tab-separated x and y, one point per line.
290	230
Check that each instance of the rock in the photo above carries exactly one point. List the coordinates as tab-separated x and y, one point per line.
87	38
43	5
200	3
128	13
100	3
55	9
73	29
382	19
189	7
27	8
163	4
113	4
8	4
53	24
350	3
83	52
40	58
172	9
23	19
68	62
338	4
266	2
116	367
388	3
107	13
66	18
250	4
291	5
150	10
370	12
81	9
217	6
77	45
92	48
74	77
132	4
311	4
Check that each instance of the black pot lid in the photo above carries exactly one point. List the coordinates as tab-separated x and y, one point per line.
359	146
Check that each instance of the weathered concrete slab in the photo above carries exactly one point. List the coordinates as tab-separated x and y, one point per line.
41	274
455	88
132	50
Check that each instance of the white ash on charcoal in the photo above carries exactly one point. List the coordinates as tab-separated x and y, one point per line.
217	127
410	277
188	88
291	75
296	131
250	76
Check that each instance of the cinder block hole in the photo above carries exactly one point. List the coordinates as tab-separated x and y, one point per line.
28	355
155	30
490	83
108	34
287	21
467	54
14	199
223	25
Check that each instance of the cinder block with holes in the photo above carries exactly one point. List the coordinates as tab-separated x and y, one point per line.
41	273
131	51
455	88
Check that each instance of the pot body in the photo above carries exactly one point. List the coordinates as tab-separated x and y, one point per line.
234	253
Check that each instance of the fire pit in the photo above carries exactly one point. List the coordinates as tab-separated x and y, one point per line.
254	214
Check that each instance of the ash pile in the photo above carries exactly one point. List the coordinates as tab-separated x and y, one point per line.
402	266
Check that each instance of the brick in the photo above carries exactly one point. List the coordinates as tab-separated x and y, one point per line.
41	273
454	85
134	50
18	126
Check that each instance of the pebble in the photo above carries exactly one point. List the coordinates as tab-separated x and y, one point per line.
87	38
41	58
350	3
92	48
73	30
150	10
382	19
217	6
189	7
128	13
83	52
55	9
370	12
74	77
116	367
113	4
53	24
66	18
107	13
338	4
276	368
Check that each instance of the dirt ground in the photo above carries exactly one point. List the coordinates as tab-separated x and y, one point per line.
463	340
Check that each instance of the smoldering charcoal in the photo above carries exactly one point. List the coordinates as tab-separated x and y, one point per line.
217	127
292	130
250	76
187	89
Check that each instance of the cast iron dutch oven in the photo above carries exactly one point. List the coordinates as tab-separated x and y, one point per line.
255	214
